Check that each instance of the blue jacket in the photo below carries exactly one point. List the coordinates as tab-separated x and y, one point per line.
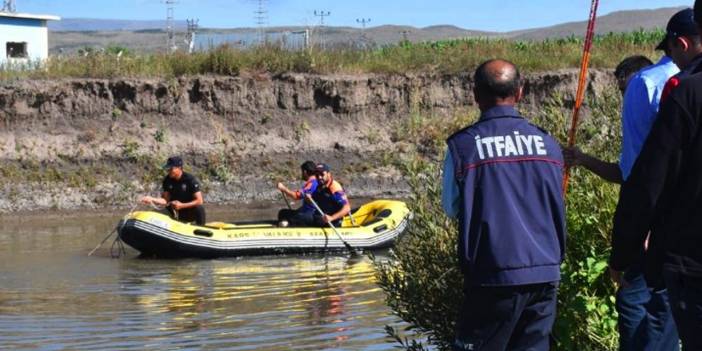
511	218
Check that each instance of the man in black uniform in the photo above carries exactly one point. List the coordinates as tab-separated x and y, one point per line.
664	191
181	194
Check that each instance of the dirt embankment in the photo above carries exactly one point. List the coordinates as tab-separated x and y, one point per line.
86	143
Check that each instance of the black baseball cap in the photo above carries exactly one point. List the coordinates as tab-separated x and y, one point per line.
323	167
682	23
174	161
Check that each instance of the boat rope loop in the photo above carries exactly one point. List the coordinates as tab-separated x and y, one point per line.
117	249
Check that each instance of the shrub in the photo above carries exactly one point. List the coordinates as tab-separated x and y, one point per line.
423	283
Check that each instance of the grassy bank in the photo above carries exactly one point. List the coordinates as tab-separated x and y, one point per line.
442	57
422	280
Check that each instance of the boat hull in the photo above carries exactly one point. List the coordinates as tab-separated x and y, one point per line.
155	234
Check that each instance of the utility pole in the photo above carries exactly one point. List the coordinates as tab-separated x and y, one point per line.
260	17
9	6
321	14
363	21
170	25
405	36
193	25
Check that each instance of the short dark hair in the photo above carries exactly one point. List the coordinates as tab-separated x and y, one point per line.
491	85
631	65
309	167
697	10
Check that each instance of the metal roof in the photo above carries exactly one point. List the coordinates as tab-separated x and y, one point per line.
30	16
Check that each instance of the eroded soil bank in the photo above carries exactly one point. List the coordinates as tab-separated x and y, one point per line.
91	143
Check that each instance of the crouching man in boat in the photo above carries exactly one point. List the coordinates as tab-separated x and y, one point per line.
305	215
181	194
330	197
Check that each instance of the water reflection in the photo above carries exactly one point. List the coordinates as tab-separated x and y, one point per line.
52	296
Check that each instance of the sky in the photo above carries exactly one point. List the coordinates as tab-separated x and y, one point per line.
487	15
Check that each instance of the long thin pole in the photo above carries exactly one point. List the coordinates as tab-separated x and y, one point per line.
286	200
582	80
321	213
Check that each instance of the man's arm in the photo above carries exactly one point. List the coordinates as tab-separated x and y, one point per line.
182	205
606	170
289	193
450	194
656	166
338	215
158	201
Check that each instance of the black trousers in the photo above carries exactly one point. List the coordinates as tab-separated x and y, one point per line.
507	318
685	294
186	215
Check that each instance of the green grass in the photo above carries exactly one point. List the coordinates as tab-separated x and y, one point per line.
441	57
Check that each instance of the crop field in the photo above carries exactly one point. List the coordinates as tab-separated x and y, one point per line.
440	57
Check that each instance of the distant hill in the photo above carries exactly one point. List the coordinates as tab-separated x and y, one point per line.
620	21
99	25
73	33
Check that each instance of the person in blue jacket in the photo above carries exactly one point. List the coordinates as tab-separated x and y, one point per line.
502	181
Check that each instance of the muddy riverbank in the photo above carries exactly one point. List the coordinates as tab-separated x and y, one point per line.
91	143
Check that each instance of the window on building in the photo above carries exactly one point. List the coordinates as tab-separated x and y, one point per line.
16	50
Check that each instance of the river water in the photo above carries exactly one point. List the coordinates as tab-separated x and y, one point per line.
55	297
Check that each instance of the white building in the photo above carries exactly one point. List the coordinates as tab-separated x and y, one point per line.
24	38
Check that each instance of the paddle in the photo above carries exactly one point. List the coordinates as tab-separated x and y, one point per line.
348	247
285	199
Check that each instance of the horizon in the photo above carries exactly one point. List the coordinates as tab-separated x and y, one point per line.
507	16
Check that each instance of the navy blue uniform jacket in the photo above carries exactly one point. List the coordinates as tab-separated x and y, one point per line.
512	218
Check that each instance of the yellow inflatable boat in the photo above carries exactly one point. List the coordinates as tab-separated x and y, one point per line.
377	225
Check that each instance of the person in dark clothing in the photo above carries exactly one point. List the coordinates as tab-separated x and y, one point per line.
645	321
305	215
663	194
181	194
502	181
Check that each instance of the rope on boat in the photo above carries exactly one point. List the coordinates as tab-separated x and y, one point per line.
117	229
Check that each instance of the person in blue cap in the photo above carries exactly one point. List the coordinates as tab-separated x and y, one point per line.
181	194
330	196
502	181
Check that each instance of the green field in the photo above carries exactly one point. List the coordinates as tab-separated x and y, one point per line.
442	57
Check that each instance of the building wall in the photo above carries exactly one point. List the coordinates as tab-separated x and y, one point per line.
32	31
